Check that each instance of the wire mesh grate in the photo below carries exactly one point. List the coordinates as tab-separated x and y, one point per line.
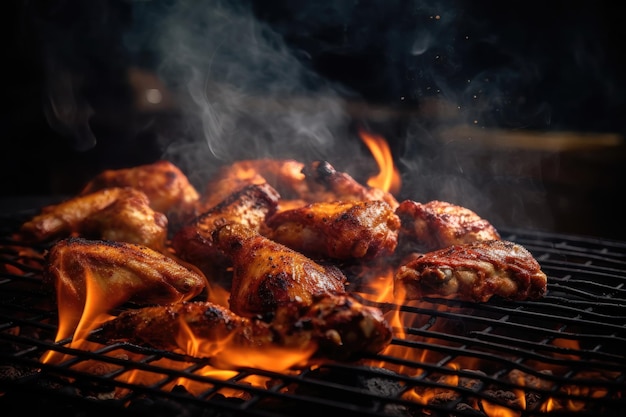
553	356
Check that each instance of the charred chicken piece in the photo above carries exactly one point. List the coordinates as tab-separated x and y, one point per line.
114	213
166	186
340	230
160	326
439	224
119	272
248	206
324	183
336	326
284	175
267	274
341	325
473	272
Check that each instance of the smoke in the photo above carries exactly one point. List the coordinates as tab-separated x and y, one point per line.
279	86
66	109
78	46
246	94
242	91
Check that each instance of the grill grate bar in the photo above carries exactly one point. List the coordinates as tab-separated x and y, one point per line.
478	390
512	345
568	265
567	346
472	317
502	359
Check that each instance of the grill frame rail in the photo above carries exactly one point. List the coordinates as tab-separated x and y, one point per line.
578	330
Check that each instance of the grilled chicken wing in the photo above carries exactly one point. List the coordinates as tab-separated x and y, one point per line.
298	184
337	326
339	230
439	224
267	274
248	206
114	213
341	325
62	219
160	327
284	175
473	272
166	186
120	272
128	219
324	183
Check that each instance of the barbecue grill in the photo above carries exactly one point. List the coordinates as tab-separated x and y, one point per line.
558	355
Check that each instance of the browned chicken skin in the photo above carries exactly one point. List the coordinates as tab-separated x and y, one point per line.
248	206
341	325
122	214
324	183
297	183
128	219
473	272
439	224
121	272
284	175
267	274
337	326
339	229
166	186
60	220
159	326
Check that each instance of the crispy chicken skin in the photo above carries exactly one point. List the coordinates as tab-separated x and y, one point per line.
120	271
249	206
284	175
166	186
62	219
342	326
340	229
338	326
267	274
473	272
160	326
114	213
439	224
298	184
128	219
324	183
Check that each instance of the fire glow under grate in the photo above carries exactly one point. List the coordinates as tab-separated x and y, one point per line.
553	356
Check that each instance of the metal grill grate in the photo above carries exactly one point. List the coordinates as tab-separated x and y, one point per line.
563	352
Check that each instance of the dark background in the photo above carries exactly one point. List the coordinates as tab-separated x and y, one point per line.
535	66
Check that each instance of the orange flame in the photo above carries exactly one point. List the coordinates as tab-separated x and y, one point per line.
143	377
227	354
496	410
80	313
78	317
388	178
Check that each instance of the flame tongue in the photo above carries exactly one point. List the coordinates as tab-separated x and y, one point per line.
388	178
78	318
